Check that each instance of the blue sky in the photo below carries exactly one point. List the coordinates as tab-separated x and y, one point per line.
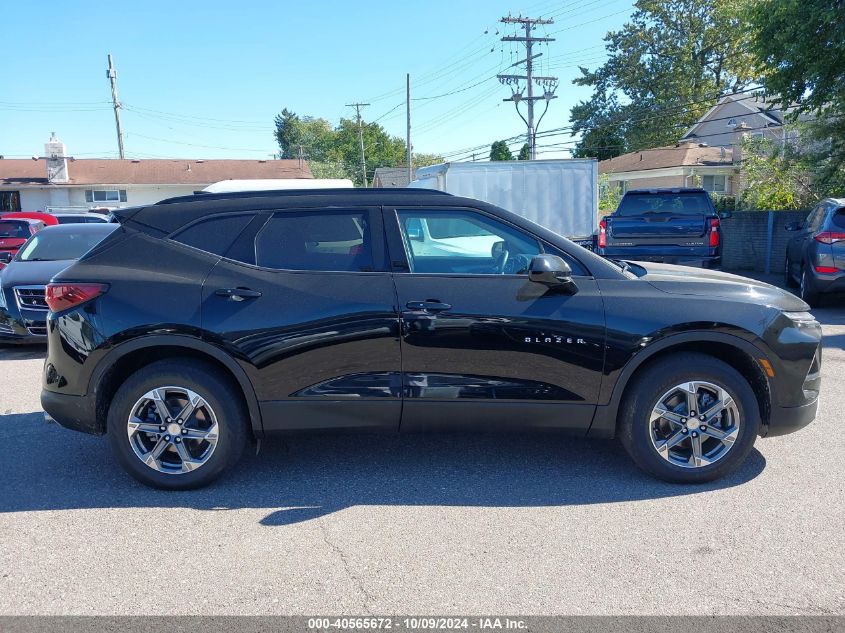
205	79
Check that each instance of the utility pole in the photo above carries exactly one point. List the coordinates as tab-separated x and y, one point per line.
408	141
111	73
358	107
549	83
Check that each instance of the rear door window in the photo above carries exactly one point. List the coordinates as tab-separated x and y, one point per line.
339	241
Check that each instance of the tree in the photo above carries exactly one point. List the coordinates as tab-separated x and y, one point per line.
775	176
802	45
335	152
424	160
524	153
665	69
499	150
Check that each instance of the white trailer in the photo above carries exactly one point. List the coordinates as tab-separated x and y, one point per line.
561	195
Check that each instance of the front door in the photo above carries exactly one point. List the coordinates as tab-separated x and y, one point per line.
304	301
483	347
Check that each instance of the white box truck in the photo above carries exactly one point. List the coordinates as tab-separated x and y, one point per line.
561	195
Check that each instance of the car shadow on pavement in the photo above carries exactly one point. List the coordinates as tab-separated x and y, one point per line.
23	352
45	467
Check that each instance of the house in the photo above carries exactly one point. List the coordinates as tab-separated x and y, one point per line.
709	153
717	127
59	181
686	164
391	177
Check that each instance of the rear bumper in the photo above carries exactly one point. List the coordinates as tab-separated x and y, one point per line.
72	412
784	420
833	284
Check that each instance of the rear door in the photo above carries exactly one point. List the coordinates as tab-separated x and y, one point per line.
482	346
304	301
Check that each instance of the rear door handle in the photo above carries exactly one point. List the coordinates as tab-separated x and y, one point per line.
429	305
237	294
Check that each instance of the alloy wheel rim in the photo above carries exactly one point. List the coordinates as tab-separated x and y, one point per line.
172	430
694	424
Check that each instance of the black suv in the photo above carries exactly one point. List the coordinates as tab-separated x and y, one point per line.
675	226
207	321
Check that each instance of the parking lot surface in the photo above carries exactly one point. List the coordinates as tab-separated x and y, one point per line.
421	524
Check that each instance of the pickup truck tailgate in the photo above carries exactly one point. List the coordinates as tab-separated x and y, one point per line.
665	226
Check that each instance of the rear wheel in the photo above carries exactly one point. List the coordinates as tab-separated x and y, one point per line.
806	291
788	279
690	418
177	424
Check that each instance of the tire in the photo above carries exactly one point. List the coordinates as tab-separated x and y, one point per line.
636	429
788	279
806	292
215	432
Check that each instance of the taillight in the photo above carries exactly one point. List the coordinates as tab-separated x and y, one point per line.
714	232
829	237
65	296
603	234
826	270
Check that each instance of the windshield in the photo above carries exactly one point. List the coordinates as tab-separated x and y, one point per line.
693	203
46	246
14	229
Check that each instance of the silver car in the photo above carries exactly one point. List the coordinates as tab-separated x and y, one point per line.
815	256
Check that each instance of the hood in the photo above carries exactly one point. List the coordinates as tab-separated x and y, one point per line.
32	273
686	280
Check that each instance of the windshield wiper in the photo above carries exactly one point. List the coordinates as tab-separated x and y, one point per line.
625	266
37	259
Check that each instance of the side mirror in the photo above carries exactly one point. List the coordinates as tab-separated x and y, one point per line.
552	272
724	215
794	226
5	257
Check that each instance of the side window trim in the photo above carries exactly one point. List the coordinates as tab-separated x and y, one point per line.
398	256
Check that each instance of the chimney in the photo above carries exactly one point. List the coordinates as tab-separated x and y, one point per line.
56	154
740	132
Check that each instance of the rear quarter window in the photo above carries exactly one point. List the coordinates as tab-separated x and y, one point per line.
838	218
214	235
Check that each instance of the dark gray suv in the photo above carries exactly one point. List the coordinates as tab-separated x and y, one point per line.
815	256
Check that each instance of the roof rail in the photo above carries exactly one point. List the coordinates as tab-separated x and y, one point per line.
273	193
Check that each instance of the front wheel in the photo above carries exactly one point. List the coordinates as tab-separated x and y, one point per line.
177	424
690	418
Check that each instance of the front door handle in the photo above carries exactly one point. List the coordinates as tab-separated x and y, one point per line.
429	305
237	294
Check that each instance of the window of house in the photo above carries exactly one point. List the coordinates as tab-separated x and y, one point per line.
731	122
10	200
105	195
714	184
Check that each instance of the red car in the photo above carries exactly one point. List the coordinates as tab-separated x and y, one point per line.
13	233
47	218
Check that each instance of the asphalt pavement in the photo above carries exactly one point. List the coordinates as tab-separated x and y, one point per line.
440	524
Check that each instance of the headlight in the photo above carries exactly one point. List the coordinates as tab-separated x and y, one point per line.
801	318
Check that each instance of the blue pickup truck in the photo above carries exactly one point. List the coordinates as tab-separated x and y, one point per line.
675	226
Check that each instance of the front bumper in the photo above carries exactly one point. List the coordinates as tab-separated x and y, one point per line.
72	412
785	420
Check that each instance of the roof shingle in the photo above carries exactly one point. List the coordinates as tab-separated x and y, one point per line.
105	171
